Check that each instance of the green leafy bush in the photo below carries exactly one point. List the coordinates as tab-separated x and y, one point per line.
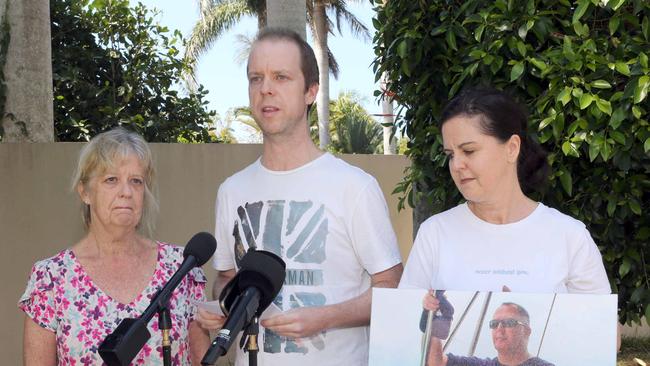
581	68
352	129
113	65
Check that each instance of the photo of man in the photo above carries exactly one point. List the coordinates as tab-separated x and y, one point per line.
418	327
510	328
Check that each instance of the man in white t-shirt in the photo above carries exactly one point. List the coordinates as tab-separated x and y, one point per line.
327	219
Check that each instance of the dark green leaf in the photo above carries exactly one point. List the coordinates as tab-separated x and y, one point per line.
541	65
451	40
624	269
613	24
601	84
522	31
643	60
564	96
611	207
438	30
402	49
594	150
478	33
581	29
623	68
618	137
615	4
585	100
567	49
604	105
516	71
580	10
545	122
641	90
521	47
566	181
634	206
606	151
570	149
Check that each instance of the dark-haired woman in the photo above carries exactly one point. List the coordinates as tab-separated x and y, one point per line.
500	237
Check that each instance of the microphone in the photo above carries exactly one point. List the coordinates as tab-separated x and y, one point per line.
120	347
246	296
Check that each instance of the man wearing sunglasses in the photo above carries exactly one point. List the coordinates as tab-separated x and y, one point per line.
510	328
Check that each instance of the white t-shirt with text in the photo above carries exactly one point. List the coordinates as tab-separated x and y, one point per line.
329	222
546	252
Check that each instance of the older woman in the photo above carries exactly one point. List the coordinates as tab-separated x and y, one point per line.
76	298
500	239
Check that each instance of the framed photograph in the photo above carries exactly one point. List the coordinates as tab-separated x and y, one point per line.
492	328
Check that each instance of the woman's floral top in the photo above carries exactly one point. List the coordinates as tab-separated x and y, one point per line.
61	297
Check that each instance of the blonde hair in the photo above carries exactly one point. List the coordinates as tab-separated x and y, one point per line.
106	150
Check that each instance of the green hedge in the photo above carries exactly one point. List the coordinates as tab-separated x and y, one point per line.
580	67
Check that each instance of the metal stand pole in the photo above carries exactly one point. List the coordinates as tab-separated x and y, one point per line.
251	345
165	325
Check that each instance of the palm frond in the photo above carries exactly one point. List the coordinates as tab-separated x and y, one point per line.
206	5
334	65
343	15
221	17
244	45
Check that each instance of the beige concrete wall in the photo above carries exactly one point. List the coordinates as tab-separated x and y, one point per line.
39	216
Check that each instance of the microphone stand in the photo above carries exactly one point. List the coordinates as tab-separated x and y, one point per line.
251	345
165	325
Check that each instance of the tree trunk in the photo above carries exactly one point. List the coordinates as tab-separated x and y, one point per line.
27	113
320	49
388	118
290	14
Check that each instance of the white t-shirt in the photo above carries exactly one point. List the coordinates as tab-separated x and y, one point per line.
329	222
546	252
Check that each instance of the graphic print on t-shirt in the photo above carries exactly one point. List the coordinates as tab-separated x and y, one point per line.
297	232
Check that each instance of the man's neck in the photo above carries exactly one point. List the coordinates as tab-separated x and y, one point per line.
513	359
288	155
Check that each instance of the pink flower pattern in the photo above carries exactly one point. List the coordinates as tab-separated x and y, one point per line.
62	298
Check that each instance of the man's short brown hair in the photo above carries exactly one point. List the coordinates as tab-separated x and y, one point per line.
308	64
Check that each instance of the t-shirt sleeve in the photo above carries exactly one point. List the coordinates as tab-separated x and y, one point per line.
586	270
421	265
372	233
223	258
38	301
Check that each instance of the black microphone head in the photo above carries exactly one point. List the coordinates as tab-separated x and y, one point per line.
201	246
268	265
260	269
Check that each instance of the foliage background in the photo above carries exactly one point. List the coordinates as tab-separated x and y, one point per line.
581	68
113	65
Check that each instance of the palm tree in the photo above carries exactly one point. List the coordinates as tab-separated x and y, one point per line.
25	72
354	131
290	14
321	26
244	116
218	16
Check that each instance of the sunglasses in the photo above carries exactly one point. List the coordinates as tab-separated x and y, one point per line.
506	323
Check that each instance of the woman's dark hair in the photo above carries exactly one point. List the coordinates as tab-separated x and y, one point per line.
502	117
